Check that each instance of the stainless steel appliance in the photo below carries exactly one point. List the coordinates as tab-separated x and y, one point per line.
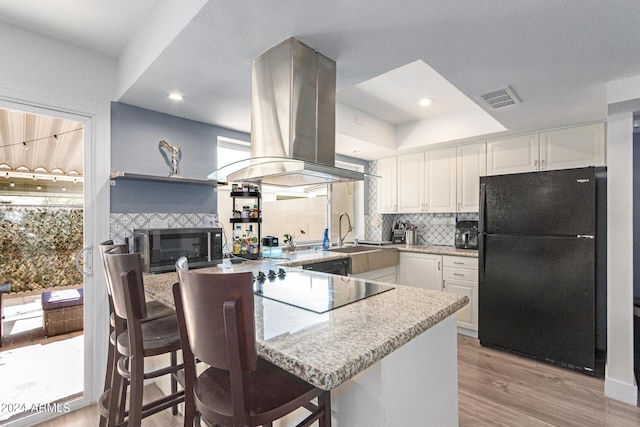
398	233
466	235
293	108
537	265
160	248
337	266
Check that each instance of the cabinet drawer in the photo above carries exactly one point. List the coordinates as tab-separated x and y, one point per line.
460	274
460	262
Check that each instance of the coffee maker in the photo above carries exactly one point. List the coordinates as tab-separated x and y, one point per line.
467	235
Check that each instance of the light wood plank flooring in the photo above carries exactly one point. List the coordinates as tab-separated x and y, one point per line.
496	389
501	389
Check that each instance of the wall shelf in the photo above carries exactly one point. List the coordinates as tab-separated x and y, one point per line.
258	220
126	176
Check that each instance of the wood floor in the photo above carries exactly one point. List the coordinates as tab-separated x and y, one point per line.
502	389
495	389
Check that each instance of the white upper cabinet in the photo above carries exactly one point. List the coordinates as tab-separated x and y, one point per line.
513	155
411	182
447	179
471	165
572	147
440	176
387	185
427	181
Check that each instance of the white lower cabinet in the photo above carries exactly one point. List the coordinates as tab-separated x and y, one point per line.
460	276
387	275
420	270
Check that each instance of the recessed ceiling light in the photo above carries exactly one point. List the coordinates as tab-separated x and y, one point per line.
424	102
175	96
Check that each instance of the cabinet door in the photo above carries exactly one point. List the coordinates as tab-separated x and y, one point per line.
420	270
513	155
468	315
472	164
440	175
411	183
387	169
572	148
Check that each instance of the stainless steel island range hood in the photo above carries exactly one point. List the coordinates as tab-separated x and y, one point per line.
293	99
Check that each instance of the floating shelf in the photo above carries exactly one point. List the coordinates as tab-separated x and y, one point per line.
126	176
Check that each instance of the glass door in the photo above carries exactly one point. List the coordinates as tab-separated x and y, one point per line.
52	355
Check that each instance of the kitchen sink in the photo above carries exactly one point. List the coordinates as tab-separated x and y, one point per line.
368	258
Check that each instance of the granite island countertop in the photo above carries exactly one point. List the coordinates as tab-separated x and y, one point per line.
329	348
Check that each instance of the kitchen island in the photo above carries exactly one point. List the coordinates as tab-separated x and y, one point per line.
389	359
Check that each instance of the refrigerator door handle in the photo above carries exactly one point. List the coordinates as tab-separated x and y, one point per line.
481	258
483	197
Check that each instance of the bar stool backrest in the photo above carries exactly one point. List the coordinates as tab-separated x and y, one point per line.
204	298
103	248
125	271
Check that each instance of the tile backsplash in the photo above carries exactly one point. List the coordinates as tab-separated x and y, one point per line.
122	224
435	229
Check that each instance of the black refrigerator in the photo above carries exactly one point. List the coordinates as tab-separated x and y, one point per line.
537	265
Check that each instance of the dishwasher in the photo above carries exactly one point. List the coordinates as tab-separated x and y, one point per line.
340	266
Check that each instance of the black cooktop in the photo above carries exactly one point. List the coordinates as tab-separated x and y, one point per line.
314	291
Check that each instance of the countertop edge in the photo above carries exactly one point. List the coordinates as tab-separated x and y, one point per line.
328	381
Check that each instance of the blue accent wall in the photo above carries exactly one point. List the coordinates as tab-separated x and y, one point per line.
135	134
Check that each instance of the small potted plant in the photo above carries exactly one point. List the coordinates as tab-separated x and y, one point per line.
288	241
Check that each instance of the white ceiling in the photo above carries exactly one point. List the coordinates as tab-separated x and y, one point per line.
557	56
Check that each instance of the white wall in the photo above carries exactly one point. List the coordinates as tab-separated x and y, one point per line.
163	25
281	216
620	382
55	78
447	127
37	63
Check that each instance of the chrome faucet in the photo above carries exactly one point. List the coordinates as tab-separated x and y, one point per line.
340	236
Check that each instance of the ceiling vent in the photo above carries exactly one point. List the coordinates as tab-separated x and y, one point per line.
499	98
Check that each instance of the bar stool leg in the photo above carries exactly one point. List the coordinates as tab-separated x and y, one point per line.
117	398
174	382
108	376
136	366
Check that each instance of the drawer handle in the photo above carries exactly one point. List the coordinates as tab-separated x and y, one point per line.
458	263
458	274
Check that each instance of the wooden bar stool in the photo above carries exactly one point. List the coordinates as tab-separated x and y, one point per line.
216	320
138	340
155	310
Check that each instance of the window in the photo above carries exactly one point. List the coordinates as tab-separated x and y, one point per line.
301	211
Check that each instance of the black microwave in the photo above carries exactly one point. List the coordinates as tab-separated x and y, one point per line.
160	248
